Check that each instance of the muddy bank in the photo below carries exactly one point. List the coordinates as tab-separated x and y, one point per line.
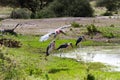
42	26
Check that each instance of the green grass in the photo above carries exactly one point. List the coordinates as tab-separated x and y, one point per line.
106	75
28	63
106	31
76	25
95	43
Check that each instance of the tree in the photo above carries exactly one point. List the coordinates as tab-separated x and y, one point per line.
75	8
111	5
11	3
32	5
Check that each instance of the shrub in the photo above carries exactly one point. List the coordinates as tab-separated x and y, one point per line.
112	25
108	13
45	13
8	67
1	19
20	13
74	24
90	77
109	35
74	8
111	5
10	43
92	29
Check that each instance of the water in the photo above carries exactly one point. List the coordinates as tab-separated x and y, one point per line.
105	54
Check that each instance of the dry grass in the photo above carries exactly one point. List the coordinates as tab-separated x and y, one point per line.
5	10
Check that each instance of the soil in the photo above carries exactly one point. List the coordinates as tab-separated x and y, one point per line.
43	26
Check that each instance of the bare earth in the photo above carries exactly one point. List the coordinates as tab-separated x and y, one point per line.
42	26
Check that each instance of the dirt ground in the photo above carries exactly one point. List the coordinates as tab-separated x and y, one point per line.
42	26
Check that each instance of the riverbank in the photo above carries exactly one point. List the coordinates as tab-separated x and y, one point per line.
28	62
108	55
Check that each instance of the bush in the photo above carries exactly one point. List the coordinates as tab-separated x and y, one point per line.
112	25
90	77
1	19
45	13
73	8
108	13
74	24
8	67
10	43
109	35
111	5
20	13
92	29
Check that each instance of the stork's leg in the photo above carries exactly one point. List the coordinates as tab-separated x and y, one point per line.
60	54
80	46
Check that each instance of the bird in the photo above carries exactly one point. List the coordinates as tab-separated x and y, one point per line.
65	45
58	31
50	47
11	31
55	33
79	40
46	36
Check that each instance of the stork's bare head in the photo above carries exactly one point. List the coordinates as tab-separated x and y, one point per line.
83	37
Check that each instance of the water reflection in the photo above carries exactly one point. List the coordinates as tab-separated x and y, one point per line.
106	55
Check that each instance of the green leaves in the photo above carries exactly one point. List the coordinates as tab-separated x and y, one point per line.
76	8
111	5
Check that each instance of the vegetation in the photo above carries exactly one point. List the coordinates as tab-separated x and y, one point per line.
110	32
53	8
1	19
41	8
20	14
111	5
10	43
74	8
64	8
75	25
45	13
27	62
32	5
92	30
5	10
106	31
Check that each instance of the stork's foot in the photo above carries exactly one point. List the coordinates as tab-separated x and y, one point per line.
60	55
